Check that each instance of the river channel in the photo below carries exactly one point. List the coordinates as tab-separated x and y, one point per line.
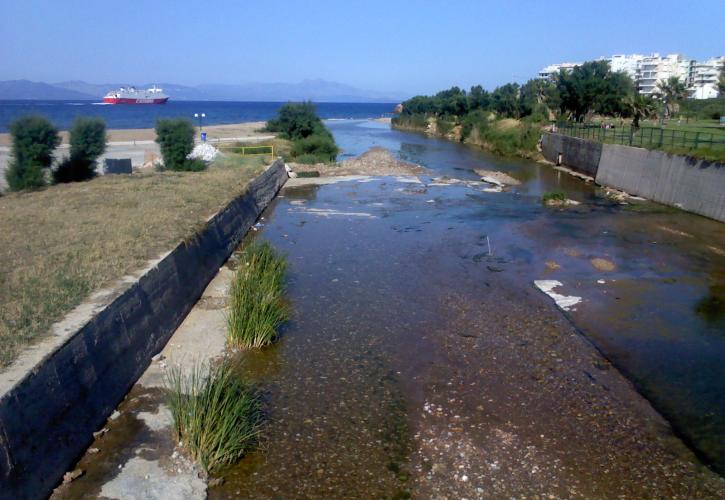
413	303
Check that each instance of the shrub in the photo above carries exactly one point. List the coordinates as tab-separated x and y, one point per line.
34	140
444	125
295	121
320	145
87	143
312	141
418	120
477	119
176	140
256	306
217	416
554	197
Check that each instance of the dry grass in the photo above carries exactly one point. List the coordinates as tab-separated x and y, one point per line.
60	244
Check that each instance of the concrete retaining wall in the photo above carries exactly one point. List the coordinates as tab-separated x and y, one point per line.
694	185
48	416
578	154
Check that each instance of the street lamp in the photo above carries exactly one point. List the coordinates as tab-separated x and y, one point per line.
200	116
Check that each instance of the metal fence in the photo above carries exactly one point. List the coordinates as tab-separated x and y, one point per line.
645	137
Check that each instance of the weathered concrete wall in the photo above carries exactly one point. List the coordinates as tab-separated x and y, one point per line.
48	416
694	185
578	154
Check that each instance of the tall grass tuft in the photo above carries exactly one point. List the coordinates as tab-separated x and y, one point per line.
217	417
256	306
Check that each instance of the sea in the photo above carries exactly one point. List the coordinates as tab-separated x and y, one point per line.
62	113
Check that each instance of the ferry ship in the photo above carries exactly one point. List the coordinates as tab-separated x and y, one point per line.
130	95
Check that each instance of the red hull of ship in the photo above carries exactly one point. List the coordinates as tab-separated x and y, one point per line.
117	100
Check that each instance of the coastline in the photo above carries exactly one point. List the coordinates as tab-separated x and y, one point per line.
149	134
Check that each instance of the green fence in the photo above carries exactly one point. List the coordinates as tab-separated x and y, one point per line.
645	137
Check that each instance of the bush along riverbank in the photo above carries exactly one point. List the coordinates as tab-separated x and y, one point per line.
312	142
502	136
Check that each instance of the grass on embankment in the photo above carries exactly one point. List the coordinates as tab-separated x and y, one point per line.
60	244
257	307
506	137
217	416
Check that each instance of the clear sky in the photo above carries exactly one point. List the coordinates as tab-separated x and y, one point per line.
407	46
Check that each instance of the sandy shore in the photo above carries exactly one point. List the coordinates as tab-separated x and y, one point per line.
149	134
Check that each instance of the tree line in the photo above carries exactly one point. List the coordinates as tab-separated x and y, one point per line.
577	94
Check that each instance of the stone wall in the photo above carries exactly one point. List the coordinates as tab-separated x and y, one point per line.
47	417
577	154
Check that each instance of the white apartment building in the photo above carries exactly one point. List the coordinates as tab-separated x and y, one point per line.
705	76
548	72
647	71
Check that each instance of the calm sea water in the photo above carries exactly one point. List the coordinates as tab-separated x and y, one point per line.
62	113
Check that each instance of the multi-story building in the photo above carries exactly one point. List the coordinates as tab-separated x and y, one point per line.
705	76
548	72
647	71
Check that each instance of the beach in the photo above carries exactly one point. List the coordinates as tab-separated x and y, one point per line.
213	132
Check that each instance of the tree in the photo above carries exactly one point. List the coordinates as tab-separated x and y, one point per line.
671	92
34	140
452	102
536	97
639	106
176	140
505	100
296	120
592	88
478	98
87	143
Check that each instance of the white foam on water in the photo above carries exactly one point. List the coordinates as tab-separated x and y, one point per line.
325	212
565	302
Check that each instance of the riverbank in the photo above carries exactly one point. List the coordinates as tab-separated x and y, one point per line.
506	137
59	244
213	133
416	364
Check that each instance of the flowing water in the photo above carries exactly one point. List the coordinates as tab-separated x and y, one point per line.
362	282
387	277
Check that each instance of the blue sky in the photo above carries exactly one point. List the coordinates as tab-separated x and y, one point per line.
406	46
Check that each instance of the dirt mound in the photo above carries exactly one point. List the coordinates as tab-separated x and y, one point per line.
376	161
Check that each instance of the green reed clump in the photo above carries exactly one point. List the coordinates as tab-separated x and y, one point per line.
554	197
257	306
217	416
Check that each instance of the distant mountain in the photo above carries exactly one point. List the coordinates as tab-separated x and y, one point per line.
25	89
315	90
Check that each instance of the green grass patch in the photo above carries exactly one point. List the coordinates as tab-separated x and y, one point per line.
257	306
554	197
217	416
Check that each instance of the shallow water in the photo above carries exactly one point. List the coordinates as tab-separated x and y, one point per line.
382	274
371	261
660	316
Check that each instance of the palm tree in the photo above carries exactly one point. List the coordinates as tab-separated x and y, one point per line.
671	92
639	106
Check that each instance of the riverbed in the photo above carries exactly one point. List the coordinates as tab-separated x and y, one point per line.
421	359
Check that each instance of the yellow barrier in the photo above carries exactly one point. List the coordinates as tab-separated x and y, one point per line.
251	150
